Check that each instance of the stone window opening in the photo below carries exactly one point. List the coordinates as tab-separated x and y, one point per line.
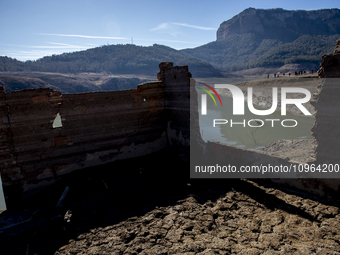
57	122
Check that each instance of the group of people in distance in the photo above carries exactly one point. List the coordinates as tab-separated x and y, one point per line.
296	73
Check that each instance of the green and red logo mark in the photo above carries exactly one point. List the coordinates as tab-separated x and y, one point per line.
204	98
213	90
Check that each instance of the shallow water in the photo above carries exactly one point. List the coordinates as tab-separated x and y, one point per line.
243	134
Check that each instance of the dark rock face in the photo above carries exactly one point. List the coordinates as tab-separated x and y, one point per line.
245	22
290	24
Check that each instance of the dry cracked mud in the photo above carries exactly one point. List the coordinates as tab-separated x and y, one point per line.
157	209
262	220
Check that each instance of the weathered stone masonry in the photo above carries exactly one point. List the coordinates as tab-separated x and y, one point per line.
97	128
326	129
102	127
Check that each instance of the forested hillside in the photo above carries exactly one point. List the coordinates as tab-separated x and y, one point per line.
114	59
243	51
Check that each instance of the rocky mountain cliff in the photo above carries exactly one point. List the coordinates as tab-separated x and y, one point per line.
282	24
271	39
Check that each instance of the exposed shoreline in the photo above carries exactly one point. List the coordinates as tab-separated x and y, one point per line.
301	150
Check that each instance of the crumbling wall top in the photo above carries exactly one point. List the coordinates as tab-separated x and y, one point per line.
337	47
330	63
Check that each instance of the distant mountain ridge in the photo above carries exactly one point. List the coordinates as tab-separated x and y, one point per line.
254	38
282	24
273	37
114	59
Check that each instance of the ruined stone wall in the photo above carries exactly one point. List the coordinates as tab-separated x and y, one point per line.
97	128
101	127
326	129
177	107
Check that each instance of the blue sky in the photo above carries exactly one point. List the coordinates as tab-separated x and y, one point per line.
31	29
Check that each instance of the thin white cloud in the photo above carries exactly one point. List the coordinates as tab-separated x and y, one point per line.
55	43
38	51
164	40
92	44
76	46
172	27
193	26
168	28
161	26
57	47
87	36
31	55
53	46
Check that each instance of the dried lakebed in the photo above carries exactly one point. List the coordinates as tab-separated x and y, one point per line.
247	219
250	130
154	212
150	212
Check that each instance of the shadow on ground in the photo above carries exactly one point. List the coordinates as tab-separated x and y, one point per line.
106	195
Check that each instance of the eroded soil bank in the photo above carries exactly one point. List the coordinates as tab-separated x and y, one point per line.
297	150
